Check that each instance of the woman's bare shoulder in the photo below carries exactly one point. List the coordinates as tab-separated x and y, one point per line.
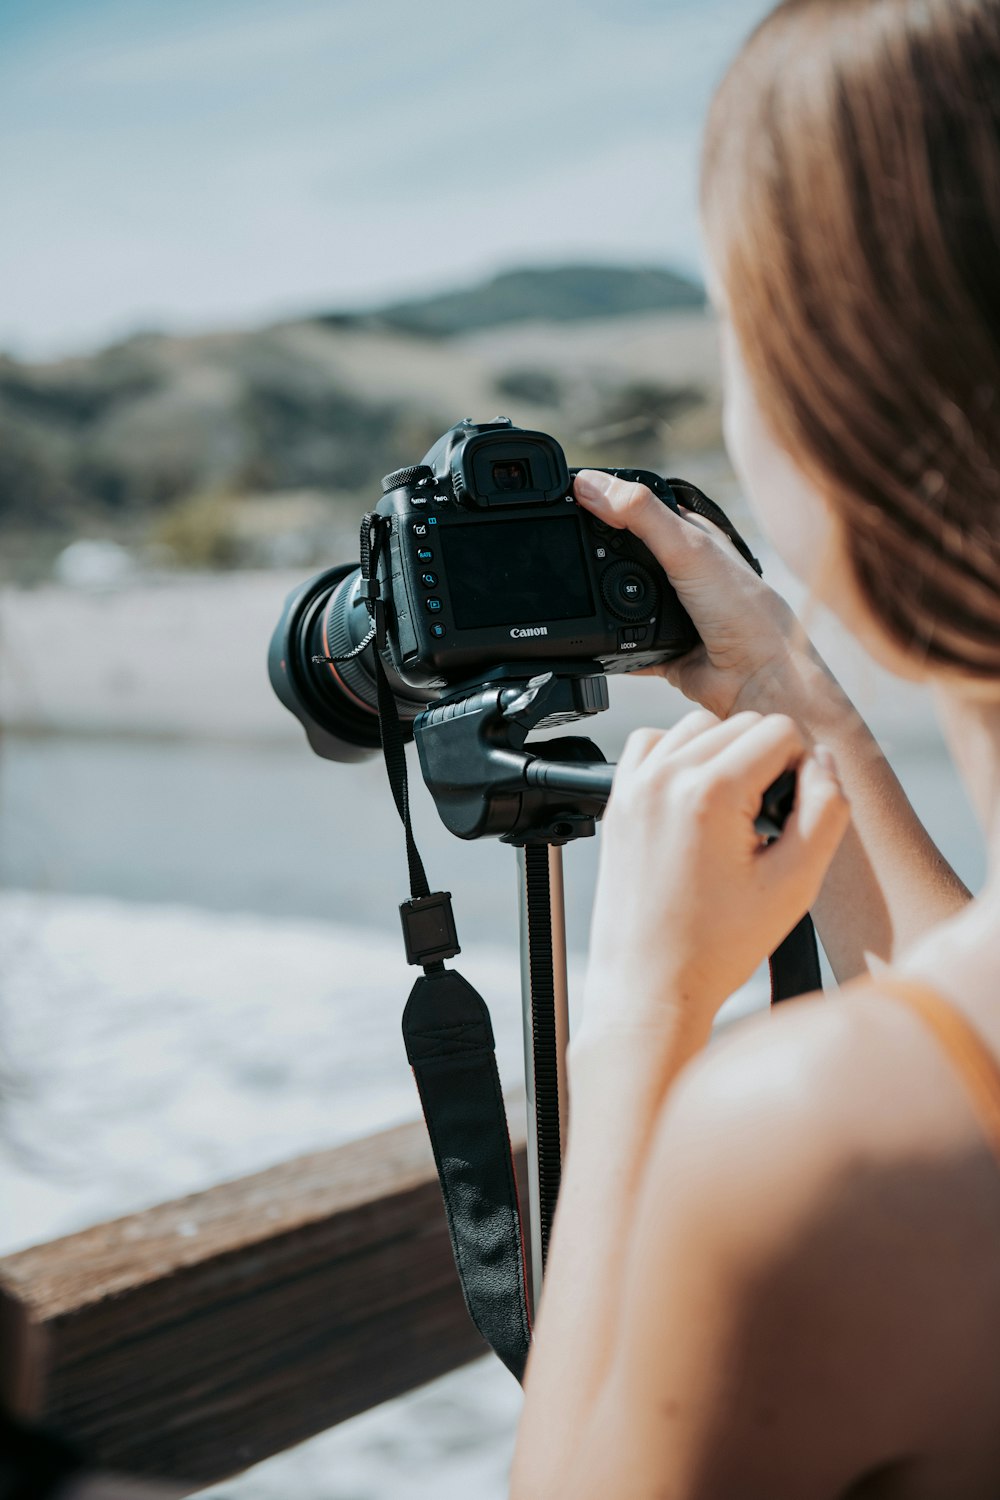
817	1215
847	1083
781	1108
850	1178
862	1073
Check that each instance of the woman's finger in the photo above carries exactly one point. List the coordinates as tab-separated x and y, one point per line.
759	755
642	742
697	750
636	748
693	726
815	827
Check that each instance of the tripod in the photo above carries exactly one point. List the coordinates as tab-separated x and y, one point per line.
486	781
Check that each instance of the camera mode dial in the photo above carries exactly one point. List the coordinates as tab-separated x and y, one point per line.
628	590
400	478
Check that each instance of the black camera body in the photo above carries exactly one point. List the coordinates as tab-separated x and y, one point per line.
488	571
492	560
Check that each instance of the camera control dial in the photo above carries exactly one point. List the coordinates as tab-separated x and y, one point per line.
414	475
628	590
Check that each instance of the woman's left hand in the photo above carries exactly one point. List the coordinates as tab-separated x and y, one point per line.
689	898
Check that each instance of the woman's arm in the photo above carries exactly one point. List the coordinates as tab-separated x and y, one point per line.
617	1086
889	883
722	1322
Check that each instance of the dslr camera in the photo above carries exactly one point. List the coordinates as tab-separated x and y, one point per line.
491	571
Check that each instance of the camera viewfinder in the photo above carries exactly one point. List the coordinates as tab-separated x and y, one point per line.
511	476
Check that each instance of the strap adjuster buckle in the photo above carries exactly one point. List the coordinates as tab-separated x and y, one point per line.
429	930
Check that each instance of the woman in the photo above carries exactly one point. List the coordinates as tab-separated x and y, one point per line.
775	1268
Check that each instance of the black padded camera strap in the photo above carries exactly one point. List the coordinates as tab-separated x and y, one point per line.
450	1047
449	1043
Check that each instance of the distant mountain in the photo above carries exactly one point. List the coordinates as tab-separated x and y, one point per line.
332	403
559	294
144	423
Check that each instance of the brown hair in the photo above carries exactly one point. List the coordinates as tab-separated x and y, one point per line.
851	190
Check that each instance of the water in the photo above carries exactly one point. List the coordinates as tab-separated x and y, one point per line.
272	829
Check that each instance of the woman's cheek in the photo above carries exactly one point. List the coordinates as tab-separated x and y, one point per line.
789	511
795	518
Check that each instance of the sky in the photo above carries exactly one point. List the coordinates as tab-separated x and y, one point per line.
187	164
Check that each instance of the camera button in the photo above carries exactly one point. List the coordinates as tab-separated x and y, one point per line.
438	630
628	591
420	528
429	580
425	555
433	605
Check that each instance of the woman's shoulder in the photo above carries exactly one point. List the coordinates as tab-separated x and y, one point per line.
849	1174
853	1055
808	1075
851	1081
816	1193
784	1106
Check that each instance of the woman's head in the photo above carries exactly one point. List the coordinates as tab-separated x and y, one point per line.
851	202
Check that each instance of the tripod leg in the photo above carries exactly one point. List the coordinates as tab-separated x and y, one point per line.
561	983
546	1035
534	1214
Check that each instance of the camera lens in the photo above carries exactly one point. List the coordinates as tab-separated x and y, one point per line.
511	476
337	704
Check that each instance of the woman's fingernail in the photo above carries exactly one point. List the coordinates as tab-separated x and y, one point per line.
592	484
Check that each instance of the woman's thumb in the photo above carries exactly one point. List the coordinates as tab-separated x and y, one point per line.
678	547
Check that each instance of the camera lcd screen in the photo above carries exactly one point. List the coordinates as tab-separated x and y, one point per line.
516	572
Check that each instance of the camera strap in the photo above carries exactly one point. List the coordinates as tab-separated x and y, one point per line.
450	1047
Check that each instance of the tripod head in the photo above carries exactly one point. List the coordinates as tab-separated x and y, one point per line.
487	782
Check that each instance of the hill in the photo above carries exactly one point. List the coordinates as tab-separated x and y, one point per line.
115	442
560	294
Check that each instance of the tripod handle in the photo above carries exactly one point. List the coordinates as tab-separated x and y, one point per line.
595	780
579	779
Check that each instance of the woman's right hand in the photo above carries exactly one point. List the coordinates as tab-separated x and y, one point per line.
748	632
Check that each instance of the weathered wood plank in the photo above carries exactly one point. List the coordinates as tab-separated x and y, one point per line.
201	1336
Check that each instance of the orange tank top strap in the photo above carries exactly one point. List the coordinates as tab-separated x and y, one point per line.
968	1050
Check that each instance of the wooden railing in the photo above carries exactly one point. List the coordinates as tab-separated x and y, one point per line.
199	1337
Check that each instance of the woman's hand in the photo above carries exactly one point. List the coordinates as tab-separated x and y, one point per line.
689	898
748	632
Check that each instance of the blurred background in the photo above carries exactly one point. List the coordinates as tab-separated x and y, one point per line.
255	258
